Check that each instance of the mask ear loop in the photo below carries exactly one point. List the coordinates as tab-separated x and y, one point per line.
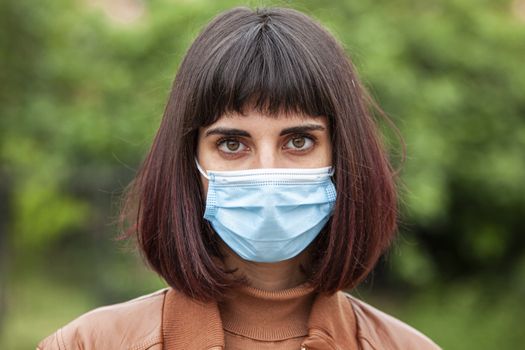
332	171
200	169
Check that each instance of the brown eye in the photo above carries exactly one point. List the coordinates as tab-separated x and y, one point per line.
231	146
300	143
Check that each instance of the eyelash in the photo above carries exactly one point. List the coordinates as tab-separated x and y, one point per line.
230	138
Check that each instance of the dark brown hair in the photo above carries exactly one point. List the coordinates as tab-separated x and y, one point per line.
277	60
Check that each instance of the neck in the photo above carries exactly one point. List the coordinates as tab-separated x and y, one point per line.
268	276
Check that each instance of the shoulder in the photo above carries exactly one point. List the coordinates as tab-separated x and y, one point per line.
378	330
133	324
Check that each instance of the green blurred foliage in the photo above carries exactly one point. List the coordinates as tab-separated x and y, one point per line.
83	90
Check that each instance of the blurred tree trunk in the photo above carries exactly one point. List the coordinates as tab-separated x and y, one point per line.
4	258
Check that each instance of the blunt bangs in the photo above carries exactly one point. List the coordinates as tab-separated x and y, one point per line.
276	60
261	63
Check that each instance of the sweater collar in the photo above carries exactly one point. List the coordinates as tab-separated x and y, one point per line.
192	325
267	315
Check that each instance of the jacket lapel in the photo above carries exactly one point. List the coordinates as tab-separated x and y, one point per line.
190	325
332	324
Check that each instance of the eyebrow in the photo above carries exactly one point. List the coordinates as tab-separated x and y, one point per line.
238	132
226	132
301	128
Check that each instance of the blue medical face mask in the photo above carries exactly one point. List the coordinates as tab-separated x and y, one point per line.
269	215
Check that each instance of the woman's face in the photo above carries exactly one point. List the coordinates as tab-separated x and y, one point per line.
236	142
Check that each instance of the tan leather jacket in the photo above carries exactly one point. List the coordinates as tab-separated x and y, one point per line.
167	319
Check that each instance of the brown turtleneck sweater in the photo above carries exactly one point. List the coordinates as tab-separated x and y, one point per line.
259	320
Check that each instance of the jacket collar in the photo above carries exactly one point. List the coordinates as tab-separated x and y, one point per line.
192	325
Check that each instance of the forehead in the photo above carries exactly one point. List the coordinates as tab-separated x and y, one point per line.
255	120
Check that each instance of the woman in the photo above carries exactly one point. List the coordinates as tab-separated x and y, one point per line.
266	192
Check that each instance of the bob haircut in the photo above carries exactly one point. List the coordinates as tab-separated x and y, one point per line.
276	60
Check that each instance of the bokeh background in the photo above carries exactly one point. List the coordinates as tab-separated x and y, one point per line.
83	87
